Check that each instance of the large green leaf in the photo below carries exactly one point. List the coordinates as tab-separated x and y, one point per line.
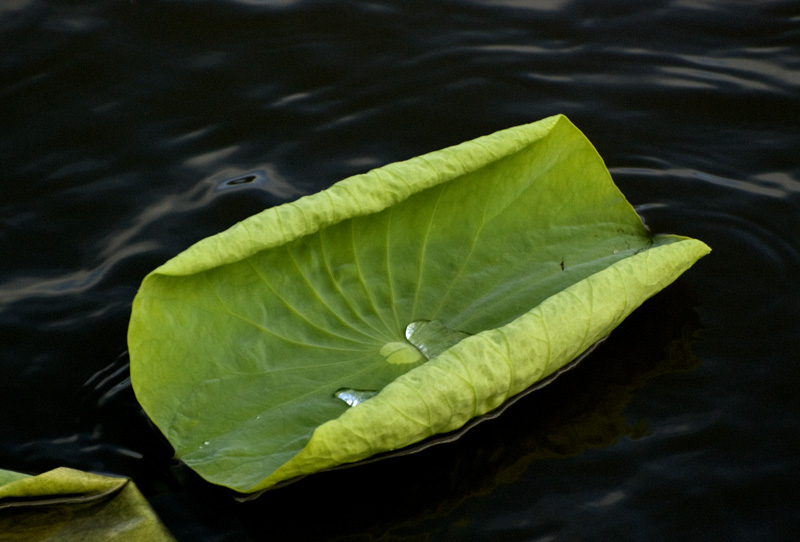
69	505
510	255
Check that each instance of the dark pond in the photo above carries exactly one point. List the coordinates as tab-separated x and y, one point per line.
133	128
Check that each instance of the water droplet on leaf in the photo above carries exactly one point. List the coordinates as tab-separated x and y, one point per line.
431	337
354	397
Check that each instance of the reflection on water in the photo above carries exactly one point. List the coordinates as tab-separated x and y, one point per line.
133	129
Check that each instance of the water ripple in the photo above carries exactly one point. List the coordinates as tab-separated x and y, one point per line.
133	129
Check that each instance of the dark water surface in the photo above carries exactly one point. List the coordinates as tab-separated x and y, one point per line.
131	129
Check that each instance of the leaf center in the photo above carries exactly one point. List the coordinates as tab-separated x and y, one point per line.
431	337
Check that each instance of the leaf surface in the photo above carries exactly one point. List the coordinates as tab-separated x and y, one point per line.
70	505
511	254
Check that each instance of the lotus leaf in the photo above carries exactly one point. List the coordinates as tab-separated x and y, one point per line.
425	293
69	505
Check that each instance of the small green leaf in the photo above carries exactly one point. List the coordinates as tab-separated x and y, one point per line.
449	283
69	505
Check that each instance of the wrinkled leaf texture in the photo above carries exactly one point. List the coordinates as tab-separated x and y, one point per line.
519	238
68	505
